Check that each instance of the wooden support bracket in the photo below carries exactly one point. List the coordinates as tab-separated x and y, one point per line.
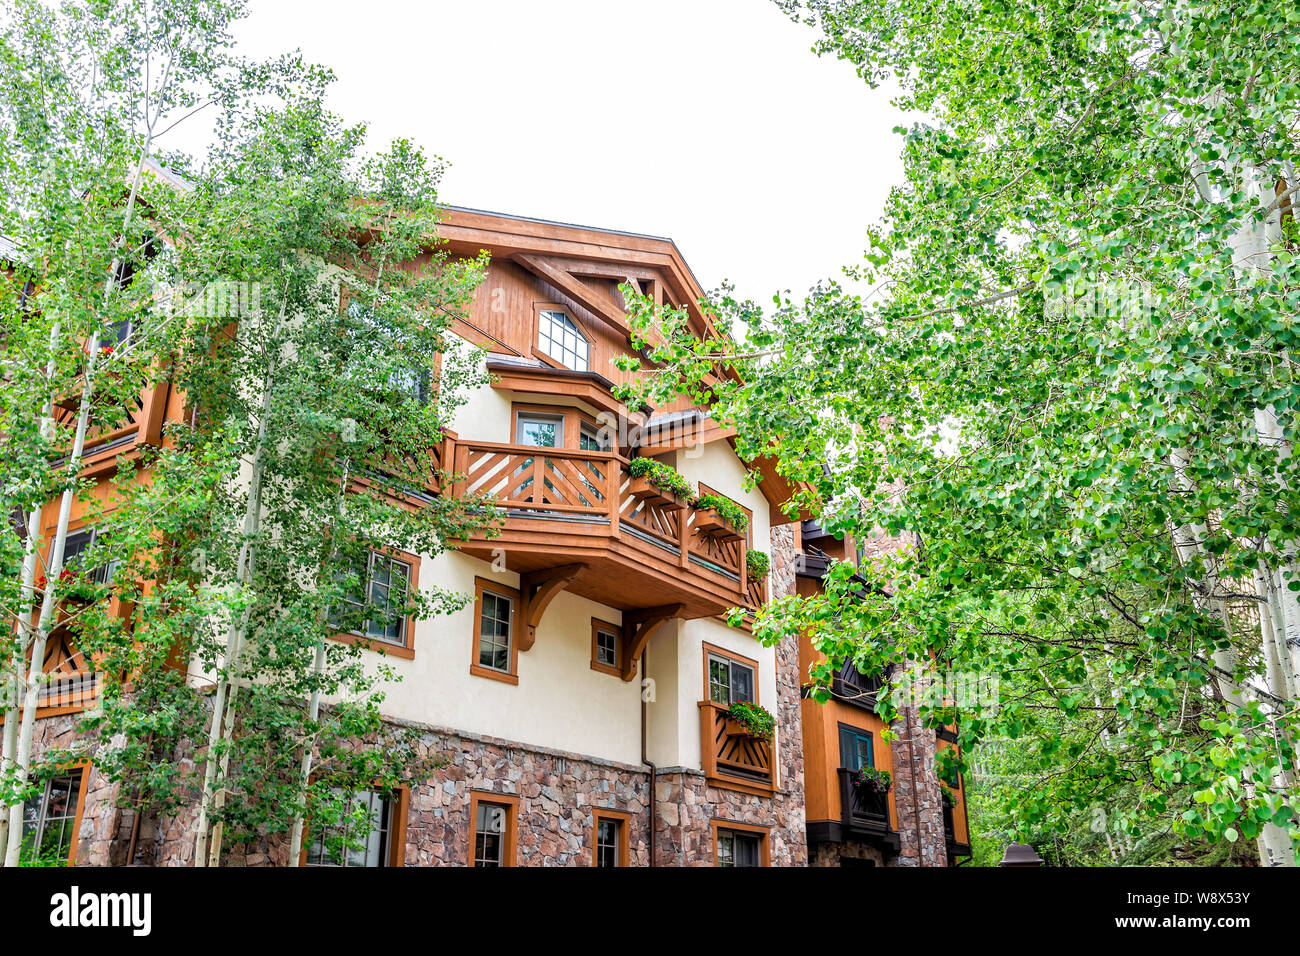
537	590
638	626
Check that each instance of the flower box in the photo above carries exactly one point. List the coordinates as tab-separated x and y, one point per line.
734	728
708	521
643	490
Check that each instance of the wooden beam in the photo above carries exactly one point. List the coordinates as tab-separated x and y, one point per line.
638	626
536	592
579	291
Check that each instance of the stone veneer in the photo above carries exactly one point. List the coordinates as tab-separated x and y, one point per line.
833	854
917	799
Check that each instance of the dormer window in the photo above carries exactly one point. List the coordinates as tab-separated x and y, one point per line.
558	336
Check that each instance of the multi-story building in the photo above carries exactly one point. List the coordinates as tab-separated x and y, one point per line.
581	698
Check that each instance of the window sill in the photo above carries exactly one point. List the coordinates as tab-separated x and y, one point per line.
371	644
607	669
479	670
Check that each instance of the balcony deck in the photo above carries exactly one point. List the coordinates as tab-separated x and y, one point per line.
732	758
574	509
865	813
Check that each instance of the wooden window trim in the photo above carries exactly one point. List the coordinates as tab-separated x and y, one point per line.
597	625
624	840
511	803
739	658
477	669
763	833
404	652
535	341
401	798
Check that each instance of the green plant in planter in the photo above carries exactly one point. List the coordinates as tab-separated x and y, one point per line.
727	510
757	720
664	477
878	780
757	564
946	795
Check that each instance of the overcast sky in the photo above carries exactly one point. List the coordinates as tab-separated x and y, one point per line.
707	121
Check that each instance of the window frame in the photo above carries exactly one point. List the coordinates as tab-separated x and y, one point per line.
84	528
597	628
510	844
842	730
733	659
580	329
405	651
764	835
399	801
623	844
80	771
482	585
527	414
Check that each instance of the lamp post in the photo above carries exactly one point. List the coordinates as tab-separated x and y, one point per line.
1020	854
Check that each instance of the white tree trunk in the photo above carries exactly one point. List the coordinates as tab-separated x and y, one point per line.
313	706
222	726
26	732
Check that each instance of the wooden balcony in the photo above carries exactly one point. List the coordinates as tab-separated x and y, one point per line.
864	811
572	514
732	758
138	422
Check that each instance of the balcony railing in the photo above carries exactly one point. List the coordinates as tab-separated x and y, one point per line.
139	421
566	505
864	809
554	480
731	756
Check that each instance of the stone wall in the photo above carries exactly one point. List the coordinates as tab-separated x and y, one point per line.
833	854
557	792
916	792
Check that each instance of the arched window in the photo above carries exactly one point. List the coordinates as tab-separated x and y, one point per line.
558	337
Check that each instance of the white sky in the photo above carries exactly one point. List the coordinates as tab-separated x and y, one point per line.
710	122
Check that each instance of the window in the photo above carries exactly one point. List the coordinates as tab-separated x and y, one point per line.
607	648
591	439
383	586
737	844
75	547
356	842
371	336
51	818
495	651
494	632
611	838
542	431
493	819
855	748
606	639
730	681
558	337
